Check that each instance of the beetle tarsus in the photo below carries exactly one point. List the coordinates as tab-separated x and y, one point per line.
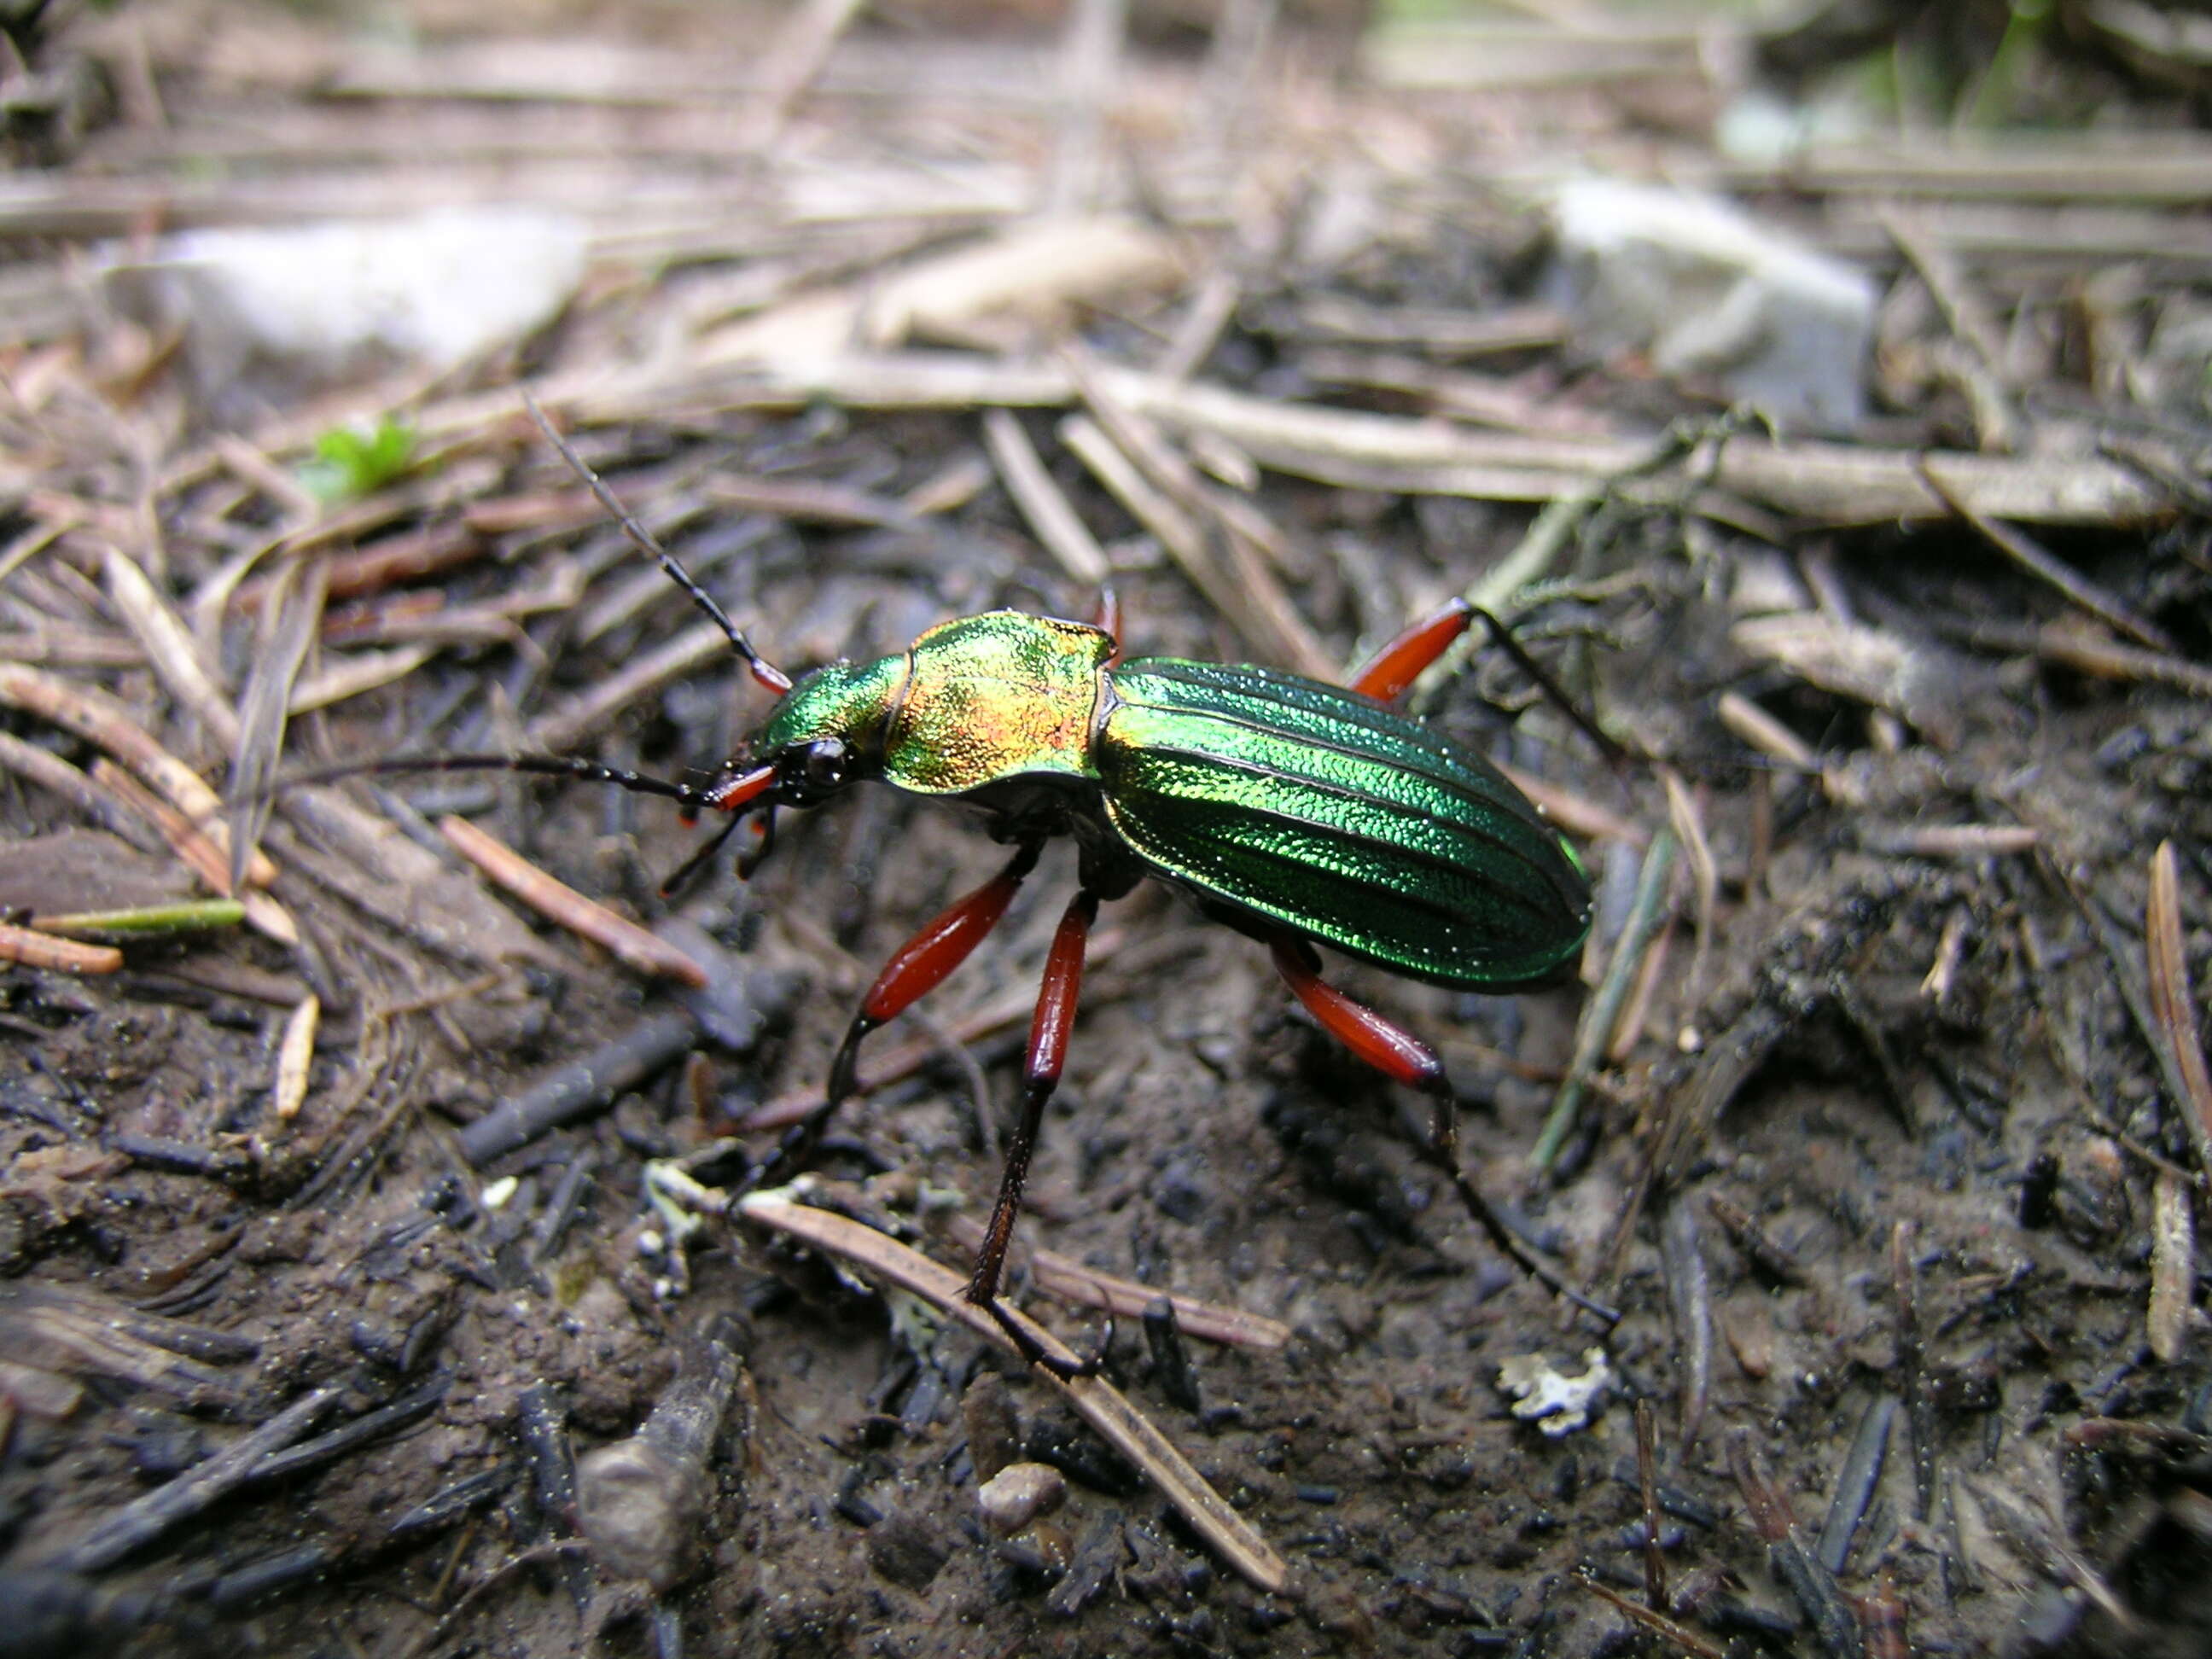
752	857
1046	1054
1033	1353
1610	747
680	878
1441	1152
844	1070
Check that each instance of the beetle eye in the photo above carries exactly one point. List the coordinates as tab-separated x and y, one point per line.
823	764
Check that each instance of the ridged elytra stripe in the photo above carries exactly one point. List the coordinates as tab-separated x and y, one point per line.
1381	839
1363	914
1312	806
1431	920
1454	841
1328	736
1315	712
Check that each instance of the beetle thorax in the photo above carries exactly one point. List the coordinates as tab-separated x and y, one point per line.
995	697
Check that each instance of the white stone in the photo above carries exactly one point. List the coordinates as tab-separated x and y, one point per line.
325	301
1017	1494
1707	291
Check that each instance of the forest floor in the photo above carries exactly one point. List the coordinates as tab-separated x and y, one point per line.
338	1229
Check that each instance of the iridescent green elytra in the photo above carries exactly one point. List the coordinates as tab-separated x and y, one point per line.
1278	802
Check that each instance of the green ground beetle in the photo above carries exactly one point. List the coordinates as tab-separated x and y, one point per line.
1295	811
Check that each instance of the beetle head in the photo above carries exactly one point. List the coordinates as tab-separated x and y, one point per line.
822	736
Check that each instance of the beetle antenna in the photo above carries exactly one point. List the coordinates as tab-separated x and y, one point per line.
767	673
556	766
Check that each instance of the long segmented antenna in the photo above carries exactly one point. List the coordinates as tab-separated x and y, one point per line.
765	673
556	766
734	796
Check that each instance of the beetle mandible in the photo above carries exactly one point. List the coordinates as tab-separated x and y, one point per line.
1296	811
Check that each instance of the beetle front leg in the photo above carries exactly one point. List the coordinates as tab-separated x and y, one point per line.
1404	1058
915	969
1047	1053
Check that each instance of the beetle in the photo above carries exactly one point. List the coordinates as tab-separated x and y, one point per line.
1298	812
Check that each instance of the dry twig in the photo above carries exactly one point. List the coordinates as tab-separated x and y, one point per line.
1125	1299
1603	1011
257	737
295	1057
1099	1402
2077	588
28	948
2173	1006
100	719
171	651
2172	1265
1653	1621
624	940
1055	521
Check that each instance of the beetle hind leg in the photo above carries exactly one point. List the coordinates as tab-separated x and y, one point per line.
1404	1058
1400	663
1047	1053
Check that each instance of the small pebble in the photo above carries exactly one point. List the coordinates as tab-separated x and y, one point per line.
1017	1494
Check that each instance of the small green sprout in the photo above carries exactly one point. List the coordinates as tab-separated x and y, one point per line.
352	461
